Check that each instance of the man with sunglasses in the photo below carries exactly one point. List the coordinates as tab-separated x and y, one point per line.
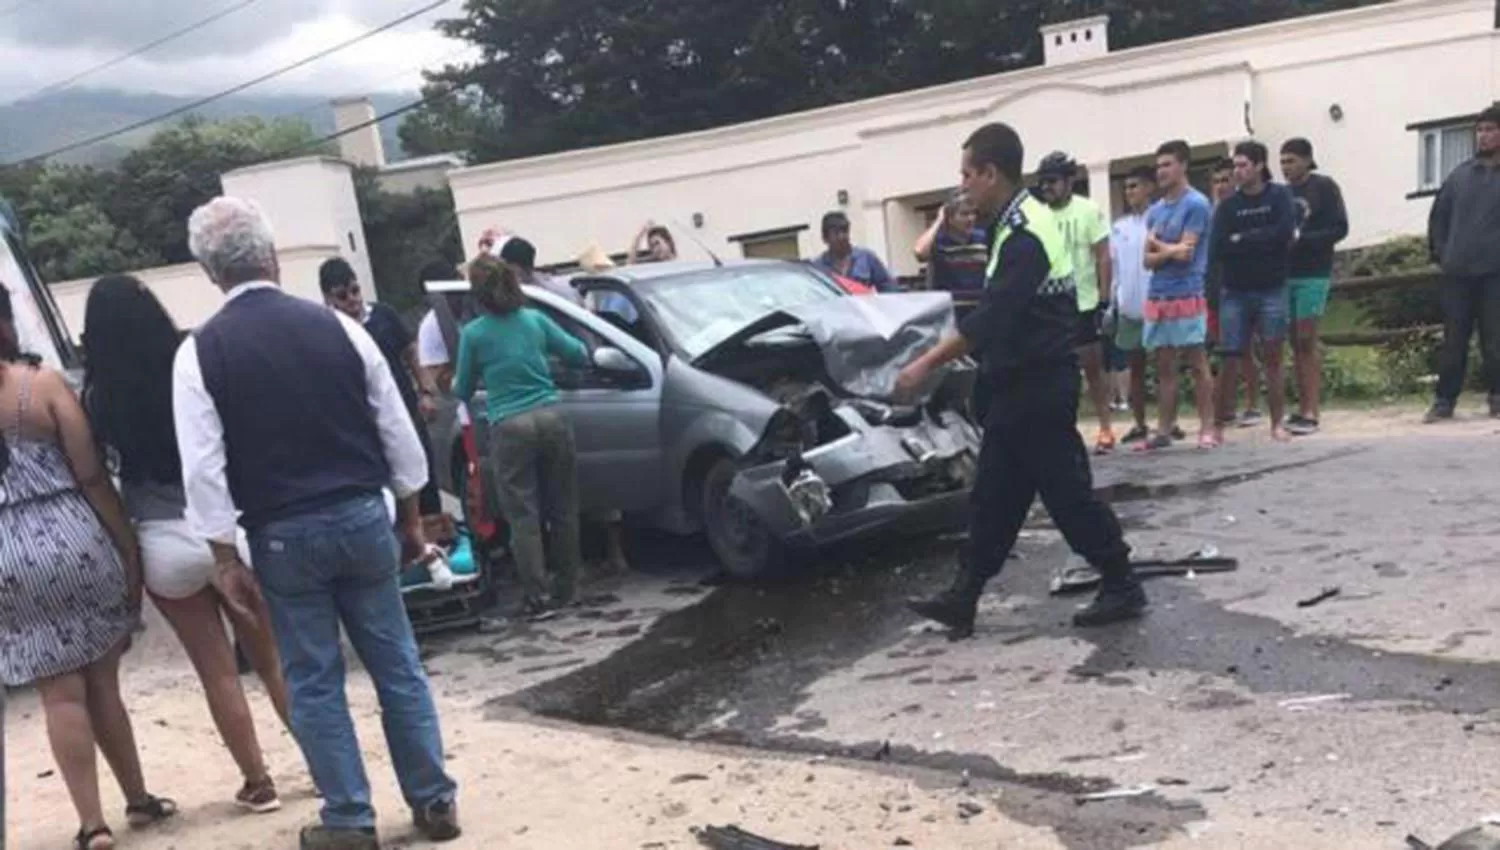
342	292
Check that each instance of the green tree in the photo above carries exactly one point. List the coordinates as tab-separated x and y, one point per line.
451	120
163	181
404	232
573	73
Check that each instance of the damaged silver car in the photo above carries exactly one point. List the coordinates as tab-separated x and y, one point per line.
752	401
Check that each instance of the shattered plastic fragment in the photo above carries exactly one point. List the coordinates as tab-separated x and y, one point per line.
1116	794
1306	703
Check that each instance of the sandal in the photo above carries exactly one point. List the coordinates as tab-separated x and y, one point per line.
1208	442
85	840
1105	443
1157	443
1136	434
151	810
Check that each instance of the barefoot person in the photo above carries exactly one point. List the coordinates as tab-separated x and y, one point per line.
1252	235
1024	333
1176	310
72	577
129	346
290	424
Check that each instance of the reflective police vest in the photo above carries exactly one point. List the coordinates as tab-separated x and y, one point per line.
1036	218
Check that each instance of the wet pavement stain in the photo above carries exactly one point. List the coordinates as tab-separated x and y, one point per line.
749	653
732	666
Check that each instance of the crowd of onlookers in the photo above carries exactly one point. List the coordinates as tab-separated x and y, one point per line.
294	436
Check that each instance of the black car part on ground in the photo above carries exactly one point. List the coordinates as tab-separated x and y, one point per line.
734	838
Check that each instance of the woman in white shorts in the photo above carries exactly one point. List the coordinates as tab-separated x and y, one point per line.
130	344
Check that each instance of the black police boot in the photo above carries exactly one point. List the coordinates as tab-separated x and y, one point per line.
1120	598
954	607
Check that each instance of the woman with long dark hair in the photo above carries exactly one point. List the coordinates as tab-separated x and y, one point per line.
70	567
130	344
534	461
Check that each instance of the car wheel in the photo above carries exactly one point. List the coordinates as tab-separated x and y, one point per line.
743	544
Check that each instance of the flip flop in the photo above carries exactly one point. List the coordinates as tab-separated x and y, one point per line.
1157	443
1105	443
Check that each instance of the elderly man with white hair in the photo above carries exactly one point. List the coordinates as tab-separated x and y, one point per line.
290	425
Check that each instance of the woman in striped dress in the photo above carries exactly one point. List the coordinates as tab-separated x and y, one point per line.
70	585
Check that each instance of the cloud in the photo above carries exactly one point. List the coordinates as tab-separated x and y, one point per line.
391	61
115	27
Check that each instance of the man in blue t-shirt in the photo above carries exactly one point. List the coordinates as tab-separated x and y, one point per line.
846	259
1176	310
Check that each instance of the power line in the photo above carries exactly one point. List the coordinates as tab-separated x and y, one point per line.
378	119
190	28
189	107
308	110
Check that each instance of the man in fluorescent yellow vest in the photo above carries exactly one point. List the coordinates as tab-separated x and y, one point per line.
1024	332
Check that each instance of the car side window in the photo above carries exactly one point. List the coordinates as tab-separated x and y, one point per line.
582	378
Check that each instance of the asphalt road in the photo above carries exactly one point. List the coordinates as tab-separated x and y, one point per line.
1371	715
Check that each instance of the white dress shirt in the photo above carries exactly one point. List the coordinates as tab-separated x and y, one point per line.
200	432
432	352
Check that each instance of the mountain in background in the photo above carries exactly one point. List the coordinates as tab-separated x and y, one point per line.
37	126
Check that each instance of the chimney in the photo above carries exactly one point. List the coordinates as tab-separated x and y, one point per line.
360	146
1075	41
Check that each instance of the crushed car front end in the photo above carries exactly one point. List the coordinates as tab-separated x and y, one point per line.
841	457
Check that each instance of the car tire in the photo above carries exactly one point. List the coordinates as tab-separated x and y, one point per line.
745	547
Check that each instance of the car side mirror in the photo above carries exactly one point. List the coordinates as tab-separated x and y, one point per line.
614	360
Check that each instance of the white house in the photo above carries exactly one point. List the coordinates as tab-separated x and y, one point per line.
1384	92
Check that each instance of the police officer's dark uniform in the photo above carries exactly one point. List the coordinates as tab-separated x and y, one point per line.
1024	332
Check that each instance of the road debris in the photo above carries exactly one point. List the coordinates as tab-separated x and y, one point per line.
1308	703
689	777
1116	794
1078	579
968	810
1327	594
734	838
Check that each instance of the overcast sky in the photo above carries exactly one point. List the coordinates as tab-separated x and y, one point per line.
45	41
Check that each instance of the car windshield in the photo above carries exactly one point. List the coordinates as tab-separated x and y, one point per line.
701	310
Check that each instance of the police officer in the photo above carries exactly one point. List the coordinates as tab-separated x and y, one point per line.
1024	332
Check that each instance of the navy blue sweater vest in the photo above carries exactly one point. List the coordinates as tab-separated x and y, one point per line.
289	386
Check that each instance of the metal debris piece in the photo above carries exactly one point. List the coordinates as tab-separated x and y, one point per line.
1116	794
1306	703
1327	594
1206	560
734	838
1483	837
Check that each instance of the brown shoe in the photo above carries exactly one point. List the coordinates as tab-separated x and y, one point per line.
258	797
438	821
323	838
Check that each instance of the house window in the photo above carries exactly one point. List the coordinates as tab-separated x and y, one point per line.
779	244
1440	150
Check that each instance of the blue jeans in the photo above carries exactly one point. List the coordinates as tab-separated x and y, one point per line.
1259	313
338	565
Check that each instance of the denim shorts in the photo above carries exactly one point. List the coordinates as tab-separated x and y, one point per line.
1261	313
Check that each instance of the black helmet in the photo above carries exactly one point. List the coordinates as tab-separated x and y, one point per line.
1057	164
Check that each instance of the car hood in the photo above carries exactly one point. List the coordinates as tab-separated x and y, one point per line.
865	341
